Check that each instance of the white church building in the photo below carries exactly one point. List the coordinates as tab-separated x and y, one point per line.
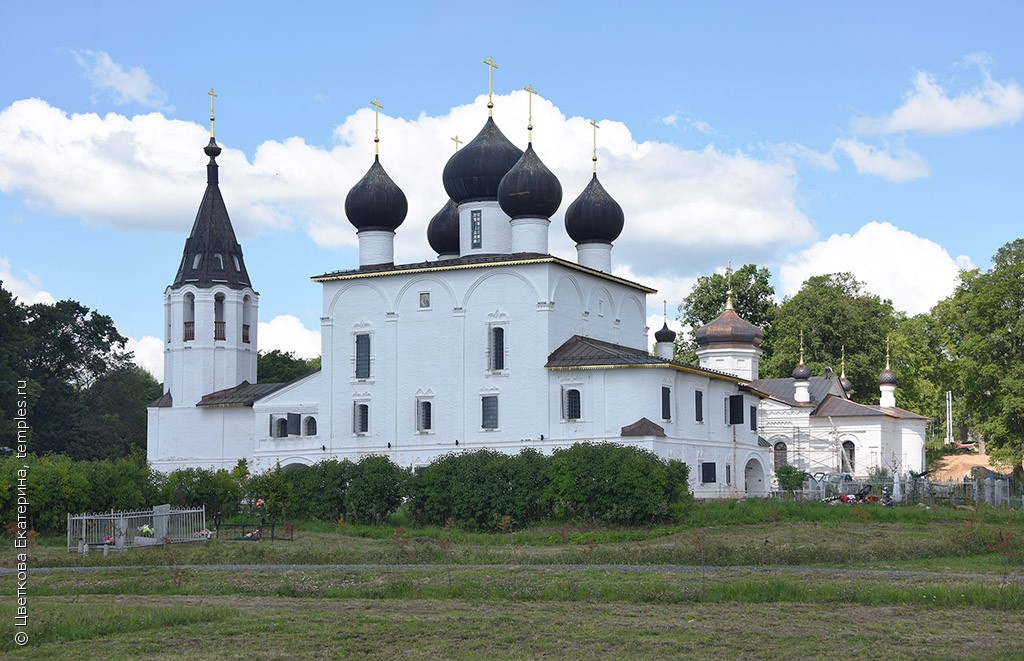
494	344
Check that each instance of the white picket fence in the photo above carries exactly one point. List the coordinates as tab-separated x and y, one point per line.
134	528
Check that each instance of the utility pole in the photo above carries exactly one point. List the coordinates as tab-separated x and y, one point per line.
949	417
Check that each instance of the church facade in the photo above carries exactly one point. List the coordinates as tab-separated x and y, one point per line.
494	344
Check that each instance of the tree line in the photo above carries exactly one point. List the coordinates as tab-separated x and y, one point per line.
970	343
482	490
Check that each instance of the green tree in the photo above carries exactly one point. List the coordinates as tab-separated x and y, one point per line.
282	366
14	343
833	311
376	490
115	414
984	320
753	299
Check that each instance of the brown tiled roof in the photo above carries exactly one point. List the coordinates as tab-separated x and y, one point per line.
644	427
783	389
837	407
244	394
163	401
579	351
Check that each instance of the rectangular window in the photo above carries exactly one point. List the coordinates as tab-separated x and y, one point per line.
734	409
496	355
728	474
753	418
708	472
666	403
572	408
489	411
424	415
360	418
476	229
363	356
698	405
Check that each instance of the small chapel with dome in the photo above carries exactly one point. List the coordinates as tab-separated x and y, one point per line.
495	344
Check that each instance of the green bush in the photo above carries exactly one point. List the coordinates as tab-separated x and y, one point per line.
375	491
218	491
318	491
790	478
613	483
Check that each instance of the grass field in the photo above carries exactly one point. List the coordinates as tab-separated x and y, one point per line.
766	581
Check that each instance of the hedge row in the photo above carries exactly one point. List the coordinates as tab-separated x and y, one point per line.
481	490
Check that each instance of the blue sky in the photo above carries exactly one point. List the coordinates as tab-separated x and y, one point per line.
883	138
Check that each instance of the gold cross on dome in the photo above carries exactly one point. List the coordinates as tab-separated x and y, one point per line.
529	121
594	124
491	66
213	95
457	142
377	107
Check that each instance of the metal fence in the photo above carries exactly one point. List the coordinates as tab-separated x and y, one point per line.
911	491
133	528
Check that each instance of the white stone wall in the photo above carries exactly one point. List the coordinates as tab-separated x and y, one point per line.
183	437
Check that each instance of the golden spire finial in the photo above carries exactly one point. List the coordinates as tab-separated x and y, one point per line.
801	346
728	291
887	352
491	66
377	107
529	120
457	142
213	95
842	363
594	124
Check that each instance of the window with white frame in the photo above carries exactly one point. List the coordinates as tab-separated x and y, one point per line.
424	415
360	418
310	426
708	472
489	411
572	404
698	405
496	348
476	230
363	356
666	403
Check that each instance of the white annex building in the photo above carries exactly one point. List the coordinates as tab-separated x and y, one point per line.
494	344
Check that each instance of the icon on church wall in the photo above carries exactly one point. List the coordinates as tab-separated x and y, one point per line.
424	299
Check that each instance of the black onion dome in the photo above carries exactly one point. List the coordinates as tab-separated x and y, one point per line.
887	377
376	202
474	172
846	384
594	217
801	372
729	329
666	334
529	189
443	230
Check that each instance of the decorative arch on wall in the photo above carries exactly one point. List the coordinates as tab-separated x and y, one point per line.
426	278
567	278
355	285
487	276
607	297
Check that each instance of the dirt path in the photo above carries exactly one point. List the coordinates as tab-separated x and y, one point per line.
955	466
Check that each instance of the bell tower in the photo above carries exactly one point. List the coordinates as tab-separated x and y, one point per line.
210	310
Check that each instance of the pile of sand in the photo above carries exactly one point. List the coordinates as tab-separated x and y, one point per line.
955	466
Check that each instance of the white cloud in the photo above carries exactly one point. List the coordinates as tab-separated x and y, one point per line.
122	85
149	354
286	333
698	125
27	289
147	172
914	272
897	164
929	108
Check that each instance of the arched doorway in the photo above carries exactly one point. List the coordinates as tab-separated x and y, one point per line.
753	479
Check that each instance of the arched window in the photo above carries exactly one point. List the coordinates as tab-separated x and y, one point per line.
281	427
311	426
361	418
496	355
188	330
849	462
246	318
780	455
197	260
424	416
218	261
218	317
571	405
